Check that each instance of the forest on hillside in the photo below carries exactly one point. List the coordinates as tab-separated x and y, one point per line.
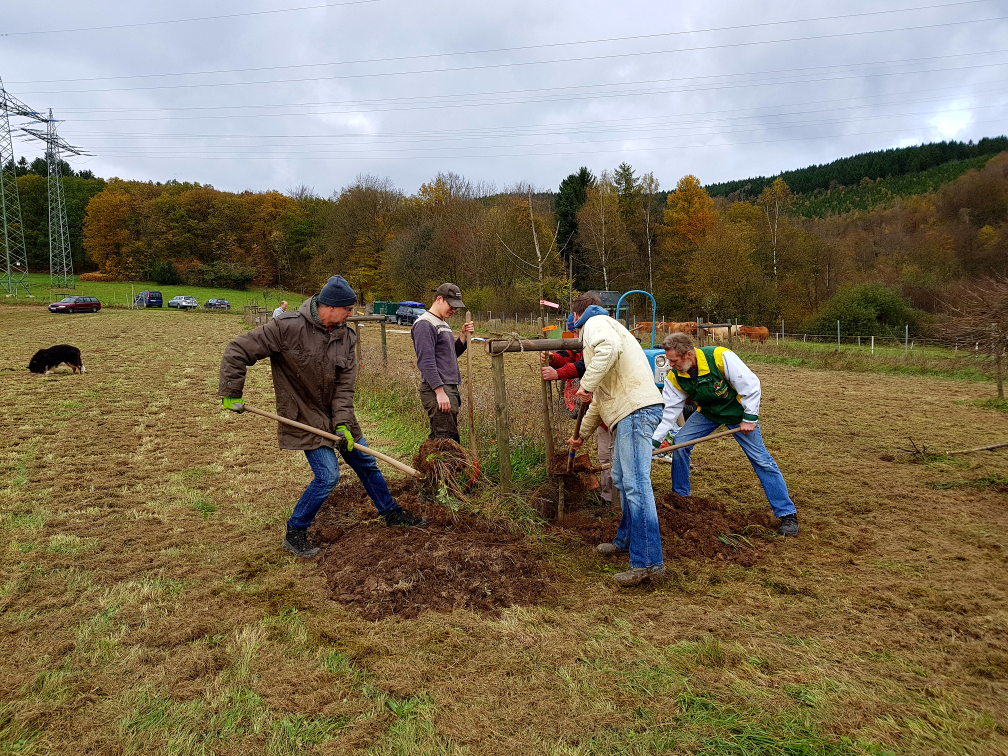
758	259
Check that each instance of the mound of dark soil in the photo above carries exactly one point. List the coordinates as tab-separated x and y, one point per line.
691	528
464	562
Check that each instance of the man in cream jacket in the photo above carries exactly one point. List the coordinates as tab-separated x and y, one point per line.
620	386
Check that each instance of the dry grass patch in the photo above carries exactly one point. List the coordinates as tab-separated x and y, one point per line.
137	619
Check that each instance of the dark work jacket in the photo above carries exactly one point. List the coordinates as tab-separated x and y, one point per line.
314	369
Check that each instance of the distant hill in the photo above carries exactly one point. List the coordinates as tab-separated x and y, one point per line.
871	195
883	164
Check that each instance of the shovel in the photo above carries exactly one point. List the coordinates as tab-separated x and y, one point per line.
577	432
400	466
703	440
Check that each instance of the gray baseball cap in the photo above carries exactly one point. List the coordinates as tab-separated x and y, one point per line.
451	294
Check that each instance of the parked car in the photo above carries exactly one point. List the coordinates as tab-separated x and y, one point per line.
408	312
148	299
217	304
182	302
76	304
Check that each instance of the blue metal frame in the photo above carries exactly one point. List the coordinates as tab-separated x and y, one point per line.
654	309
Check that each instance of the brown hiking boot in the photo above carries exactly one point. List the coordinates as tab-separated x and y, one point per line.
637	575
609	550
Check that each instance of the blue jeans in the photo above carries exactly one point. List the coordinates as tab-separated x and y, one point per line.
752	444
631	473
326	468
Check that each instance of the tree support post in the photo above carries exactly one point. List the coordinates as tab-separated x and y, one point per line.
384	343
500	416
356	327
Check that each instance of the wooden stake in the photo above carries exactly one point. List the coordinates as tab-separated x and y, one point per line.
500	415
547	420
992	447
469	381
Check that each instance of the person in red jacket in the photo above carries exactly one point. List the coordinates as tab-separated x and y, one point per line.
566	365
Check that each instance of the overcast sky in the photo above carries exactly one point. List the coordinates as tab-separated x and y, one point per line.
301	92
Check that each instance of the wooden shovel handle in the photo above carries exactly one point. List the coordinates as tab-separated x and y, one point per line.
400	466
703	440
577	432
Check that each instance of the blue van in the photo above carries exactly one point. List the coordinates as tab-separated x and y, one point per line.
148	299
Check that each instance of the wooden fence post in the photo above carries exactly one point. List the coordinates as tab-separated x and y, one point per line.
384	344
500	415
356	327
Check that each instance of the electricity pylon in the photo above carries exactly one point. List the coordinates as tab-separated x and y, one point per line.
60	254
15	274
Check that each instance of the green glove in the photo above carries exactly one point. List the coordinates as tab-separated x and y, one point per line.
655	443
345	443
233	403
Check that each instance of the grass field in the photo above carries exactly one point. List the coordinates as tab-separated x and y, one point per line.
146	605
121	293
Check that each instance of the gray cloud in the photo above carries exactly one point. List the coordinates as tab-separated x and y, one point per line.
317	96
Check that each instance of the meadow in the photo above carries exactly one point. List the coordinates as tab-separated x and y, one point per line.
146	605
122	293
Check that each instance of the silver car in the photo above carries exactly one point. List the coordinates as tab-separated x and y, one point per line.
183	303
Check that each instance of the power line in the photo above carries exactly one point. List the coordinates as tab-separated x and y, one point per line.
539	90
588	95
188	20
623	125
543	46
552	153
311	148
489	66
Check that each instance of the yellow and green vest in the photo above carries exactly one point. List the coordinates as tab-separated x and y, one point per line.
716	398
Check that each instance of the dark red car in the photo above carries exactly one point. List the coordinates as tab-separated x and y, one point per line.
76	304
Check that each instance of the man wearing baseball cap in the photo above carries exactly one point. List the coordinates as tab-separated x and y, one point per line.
437	352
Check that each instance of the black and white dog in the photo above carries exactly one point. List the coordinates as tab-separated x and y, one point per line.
46	359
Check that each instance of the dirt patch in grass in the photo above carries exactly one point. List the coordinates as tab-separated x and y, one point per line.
691	528
457	561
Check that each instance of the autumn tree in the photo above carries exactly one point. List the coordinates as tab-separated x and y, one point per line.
775	201
688	215
601	230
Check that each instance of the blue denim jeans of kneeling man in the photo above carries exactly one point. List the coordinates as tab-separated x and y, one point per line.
752	444
326	468
631	472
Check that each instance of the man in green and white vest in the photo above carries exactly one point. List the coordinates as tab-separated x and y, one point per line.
726	393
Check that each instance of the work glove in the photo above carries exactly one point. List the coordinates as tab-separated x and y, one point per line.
233	403
345	444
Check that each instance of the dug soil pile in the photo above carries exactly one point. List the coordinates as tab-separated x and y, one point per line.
577	485
691	528
465	562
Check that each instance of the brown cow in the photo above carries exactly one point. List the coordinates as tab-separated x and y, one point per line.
688	327
758	334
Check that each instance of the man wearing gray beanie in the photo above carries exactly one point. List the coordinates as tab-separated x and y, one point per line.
314	366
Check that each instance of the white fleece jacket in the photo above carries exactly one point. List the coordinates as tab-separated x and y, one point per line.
617	373
742	379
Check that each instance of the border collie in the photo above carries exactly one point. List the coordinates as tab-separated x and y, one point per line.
46	359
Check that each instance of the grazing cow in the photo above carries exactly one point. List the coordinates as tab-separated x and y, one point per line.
688	327
719	334
758	334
